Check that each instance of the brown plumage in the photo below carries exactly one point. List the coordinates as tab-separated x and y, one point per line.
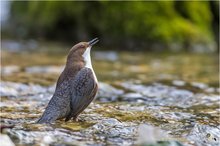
76	86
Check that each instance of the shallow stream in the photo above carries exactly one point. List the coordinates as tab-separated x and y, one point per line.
143	99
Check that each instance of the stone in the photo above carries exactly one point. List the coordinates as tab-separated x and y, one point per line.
204	135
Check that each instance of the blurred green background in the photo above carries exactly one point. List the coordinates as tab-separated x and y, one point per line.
151	25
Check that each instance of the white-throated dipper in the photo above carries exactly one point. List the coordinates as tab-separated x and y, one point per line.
76	86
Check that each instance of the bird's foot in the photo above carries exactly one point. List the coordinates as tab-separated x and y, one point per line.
78	120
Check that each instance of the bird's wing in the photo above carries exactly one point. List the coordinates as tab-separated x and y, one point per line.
83	89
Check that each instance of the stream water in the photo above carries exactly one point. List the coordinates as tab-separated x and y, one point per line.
143	99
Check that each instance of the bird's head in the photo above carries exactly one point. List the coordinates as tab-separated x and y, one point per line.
81	51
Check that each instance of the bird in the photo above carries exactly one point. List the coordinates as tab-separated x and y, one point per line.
76	87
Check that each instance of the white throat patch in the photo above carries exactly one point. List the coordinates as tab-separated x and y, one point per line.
87	58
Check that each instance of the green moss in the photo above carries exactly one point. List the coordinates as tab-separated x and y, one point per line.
74	126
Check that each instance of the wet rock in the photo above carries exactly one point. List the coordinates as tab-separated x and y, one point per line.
199	85
159	94
133	97
157	90
107	55
178	83
113	132
108	93
173	116
7	90
202	99
17	46
114	123
131	107
210	90
112	128
11	46
16	89
8	70
5	140
54	137
44	69
202	135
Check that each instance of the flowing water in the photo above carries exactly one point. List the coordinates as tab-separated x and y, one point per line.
144	99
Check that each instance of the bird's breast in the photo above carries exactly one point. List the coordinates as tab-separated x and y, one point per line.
94	75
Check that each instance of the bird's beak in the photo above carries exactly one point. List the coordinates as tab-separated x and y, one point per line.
93	42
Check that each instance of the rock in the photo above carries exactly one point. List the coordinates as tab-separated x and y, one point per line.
199	85
210	90
202	99
108	93
7	90
106	55
157	90
44	69
18	46
45	138
113	123
175	116
112	128
158	94
133	97
202	135
17	89
5	140
178	83
12	46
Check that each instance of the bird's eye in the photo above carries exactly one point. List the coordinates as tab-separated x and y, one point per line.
82	46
